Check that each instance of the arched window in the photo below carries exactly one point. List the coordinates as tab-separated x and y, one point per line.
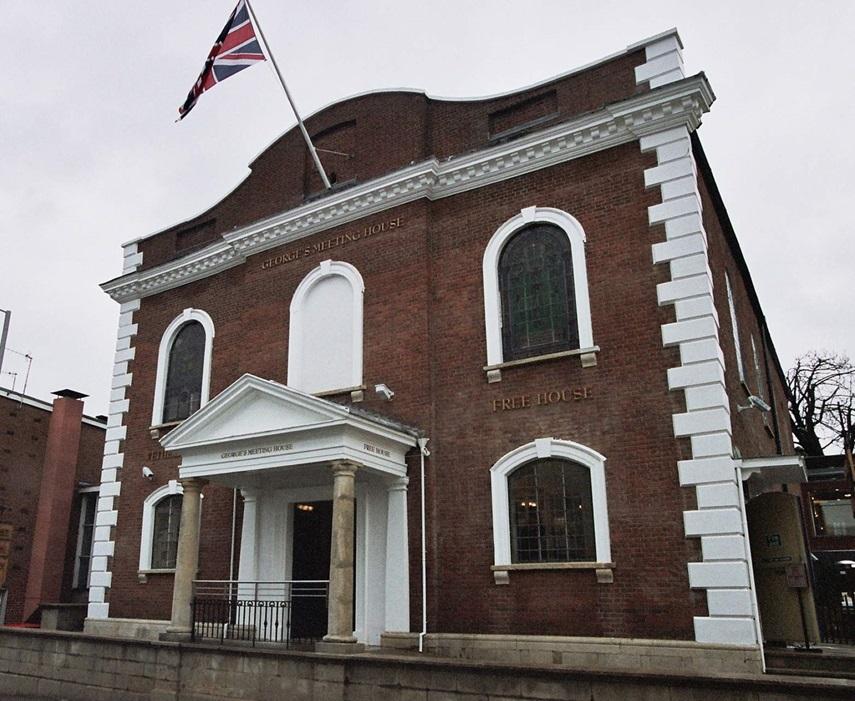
536	290
538	298
183	393
551	512
549	505
183	367
161	521
164	542
325	332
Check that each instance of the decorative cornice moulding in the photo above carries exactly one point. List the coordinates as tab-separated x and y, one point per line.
681	103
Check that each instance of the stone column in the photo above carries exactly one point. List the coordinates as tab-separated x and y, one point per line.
397	558
248	563
340	606
187	561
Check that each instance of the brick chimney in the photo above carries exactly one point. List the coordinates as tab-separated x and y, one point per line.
44	580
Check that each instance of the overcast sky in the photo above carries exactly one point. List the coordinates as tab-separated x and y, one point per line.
90	156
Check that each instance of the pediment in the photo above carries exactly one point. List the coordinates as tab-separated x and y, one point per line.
253	407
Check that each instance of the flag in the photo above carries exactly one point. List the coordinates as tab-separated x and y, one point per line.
236	48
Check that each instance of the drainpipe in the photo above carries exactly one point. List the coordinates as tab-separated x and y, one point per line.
424	453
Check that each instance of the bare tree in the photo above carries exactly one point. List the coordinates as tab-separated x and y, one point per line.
822	402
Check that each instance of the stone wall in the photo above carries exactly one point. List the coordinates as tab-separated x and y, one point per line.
79	667
624	654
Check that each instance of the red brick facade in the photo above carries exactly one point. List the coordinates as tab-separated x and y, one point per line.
425	338
26	498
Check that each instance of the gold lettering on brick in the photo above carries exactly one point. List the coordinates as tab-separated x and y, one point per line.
336	242
544	398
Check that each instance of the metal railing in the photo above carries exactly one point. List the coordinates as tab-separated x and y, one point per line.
836	616
290	613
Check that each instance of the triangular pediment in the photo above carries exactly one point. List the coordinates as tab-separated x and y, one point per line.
253	407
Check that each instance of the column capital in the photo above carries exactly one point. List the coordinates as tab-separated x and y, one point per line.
343	467
398	485
249	494
192	484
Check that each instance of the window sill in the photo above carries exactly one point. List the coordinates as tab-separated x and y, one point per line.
587	356
162	429
501	573
356	393
143	575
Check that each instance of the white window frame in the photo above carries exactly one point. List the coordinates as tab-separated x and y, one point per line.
147	535
166	342
296	361
78	550
731	305
540	449
490	269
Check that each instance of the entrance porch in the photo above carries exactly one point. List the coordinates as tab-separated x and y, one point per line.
323	538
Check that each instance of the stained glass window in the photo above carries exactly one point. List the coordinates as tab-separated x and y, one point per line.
164	542
552	515
184	374
538	299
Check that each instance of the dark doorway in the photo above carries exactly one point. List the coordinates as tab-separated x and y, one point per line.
310	561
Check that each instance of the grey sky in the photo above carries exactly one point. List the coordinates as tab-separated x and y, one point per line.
91	157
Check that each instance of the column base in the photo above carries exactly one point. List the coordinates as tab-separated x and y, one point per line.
339	647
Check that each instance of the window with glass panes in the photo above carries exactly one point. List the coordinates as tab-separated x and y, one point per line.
164	542
551	511
537	293
183	393
88	503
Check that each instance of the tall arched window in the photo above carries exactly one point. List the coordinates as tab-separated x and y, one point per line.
551	510
161	523
183	393
164	542
325	332
536	290
183	367
538	298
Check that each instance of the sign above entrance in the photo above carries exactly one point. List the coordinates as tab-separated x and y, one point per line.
263	450
341	240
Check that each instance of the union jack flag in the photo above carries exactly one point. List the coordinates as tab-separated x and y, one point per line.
236	48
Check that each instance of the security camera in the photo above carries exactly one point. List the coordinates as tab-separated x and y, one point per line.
147	473
384	390
755	402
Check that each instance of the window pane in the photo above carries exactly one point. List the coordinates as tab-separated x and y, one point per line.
832	511
164	545
552	516
538	298
184	375
88	503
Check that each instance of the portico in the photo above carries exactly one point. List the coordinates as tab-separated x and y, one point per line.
291	454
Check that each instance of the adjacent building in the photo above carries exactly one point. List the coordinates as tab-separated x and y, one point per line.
50	457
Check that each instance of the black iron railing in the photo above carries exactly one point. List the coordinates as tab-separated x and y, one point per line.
291	613
836	615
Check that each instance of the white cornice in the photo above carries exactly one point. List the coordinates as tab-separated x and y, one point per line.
676	104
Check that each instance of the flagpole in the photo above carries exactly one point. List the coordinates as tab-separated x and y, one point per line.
291	101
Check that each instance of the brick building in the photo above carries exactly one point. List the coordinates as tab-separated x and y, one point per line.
50	457
534	305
